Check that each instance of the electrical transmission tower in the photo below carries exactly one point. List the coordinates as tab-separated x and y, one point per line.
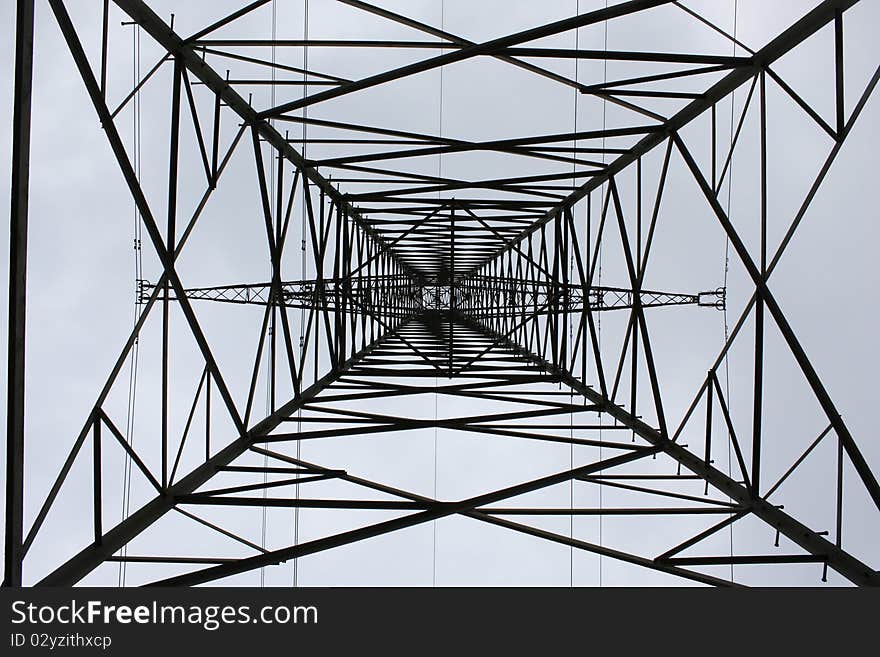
518	292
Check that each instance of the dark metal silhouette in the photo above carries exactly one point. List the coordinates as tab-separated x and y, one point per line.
488	287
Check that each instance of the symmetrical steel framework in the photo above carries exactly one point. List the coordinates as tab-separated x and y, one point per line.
484	290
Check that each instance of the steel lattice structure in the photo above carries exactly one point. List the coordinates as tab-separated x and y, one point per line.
412	283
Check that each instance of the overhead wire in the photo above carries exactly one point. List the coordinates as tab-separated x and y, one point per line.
726	271
452	275
302	318
270	356
138	277
575	93
599	283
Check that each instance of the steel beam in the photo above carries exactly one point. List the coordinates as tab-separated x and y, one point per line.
73	570
851	568
796	34
159	30
18	224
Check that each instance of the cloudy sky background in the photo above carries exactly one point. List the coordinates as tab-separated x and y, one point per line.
80	282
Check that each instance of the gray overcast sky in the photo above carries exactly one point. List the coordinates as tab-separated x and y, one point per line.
80	283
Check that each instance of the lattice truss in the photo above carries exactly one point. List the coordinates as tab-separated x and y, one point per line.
514	282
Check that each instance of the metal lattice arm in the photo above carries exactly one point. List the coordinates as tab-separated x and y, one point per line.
477	296
487	296
394	294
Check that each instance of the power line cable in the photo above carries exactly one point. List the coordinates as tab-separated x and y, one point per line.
138	276
270	356
575	94
727	269
302	318
599	283
452	278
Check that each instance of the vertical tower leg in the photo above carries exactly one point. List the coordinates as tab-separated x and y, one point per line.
21	132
